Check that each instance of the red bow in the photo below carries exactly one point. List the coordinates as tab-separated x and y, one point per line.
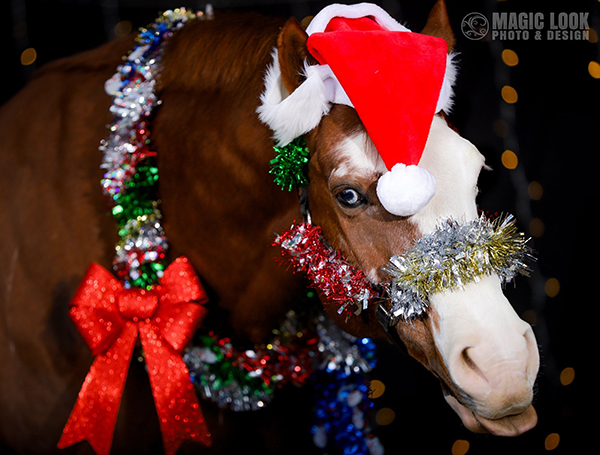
110	317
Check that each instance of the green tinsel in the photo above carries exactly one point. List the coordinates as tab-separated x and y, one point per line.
149	274
226	372
140	194
290	164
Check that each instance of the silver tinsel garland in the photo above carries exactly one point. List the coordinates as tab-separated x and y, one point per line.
453	255
127	147
245	380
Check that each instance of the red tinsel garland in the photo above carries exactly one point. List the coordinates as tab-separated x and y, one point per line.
326	268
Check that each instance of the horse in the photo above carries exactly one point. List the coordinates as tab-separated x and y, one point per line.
220	210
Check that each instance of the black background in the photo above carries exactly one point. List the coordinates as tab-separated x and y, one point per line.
553	129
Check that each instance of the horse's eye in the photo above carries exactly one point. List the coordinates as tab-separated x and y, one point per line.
350	198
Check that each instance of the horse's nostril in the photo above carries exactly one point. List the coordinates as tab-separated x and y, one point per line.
470	364
467	359
497	373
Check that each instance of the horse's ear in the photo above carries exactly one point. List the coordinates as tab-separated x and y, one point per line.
438	24
291	46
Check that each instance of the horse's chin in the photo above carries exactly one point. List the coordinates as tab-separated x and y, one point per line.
509	425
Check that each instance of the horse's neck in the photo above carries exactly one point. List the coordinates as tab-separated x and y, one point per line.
229	53
220	205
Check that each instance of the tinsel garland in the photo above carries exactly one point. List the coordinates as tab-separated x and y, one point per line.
343	415
245	379
290	165
453	255
131	175
343	411
327	269
305	348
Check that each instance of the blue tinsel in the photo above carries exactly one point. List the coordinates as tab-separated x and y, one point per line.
343	409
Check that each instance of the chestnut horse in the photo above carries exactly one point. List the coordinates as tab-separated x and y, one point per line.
221	209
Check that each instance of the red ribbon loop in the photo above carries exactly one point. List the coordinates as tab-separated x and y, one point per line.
109	318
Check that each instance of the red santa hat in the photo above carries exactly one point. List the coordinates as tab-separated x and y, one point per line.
395	79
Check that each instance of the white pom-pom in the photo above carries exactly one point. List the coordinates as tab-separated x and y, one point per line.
405	190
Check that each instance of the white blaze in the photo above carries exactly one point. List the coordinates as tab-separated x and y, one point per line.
490	353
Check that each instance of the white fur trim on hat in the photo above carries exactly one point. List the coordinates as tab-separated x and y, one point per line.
446	99
405	190
291	115
320	21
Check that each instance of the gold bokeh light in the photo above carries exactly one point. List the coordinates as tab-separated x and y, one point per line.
509	159
509	94
510	57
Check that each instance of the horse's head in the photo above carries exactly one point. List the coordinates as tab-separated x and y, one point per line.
485	356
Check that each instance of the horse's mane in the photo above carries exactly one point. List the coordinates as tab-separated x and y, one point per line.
222	54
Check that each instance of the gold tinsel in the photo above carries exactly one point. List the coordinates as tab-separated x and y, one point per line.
453	255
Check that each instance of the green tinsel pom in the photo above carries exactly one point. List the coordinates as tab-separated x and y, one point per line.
290	165
149	274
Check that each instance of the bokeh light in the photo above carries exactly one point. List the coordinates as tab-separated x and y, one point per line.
537	227
510	57
385	416
567	376
501	128
376	388
509	94
535	190
123	28
509	159
460	447
552	287
552	441
28	56
594	69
